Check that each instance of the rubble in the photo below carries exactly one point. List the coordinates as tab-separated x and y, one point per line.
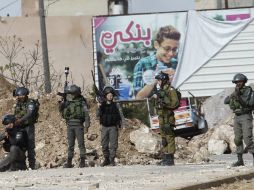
136	145
146	141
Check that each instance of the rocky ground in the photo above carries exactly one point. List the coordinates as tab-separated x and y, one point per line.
51	144
51	149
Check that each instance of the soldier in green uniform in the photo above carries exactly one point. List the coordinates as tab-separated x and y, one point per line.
26	112
238	102
74	110
166	101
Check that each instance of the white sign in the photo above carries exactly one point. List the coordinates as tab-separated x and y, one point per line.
152	6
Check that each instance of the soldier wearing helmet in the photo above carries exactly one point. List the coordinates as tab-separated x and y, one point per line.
110	120
15	143
26	112
166	101
75	111
238	103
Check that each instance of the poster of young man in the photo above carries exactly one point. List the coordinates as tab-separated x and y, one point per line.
131	49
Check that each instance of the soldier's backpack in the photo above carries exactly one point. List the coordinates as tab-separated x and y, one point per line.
179	96
250	101
37	107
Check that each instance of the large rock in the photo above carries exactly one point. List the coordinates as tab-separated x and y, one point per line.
222	140
217	147
216	112
145	141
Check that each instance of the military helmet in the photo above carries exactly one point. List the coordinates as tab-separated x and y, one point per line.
239	77
21	91
162	76
8	118
108	89
73	89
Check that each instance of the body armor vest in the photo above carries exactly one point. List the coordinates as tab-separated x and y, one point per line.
74	110
109	115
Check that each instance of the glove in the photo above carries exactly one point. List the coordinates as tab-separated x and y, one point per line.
18	122
237	90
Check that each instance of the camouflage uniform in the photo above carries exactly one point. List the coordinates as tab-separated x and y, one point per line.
242	122
75	112
166	103
238	103
26	112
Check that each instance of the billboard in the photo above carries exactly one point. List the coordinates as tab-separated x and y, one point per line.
143	6
129	51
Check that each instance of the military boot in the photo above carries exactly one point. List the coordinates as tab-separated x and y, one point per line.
82	163
163	161
32	165
106	162
171	161
168	160
239	162
112	161
68	164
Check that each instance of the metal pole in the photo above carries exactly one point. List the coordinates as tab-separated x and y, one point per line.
226	4
44	47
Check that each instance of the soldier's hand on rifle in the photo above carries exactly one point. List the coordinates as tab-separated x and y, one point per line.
17	122
237	90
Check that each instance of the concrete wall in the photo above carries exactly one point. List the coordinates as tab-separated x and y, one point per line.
69	42
206	4
66	7
30	7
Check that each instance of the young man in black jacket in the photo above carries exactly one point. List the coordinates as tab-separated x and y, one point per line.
110	120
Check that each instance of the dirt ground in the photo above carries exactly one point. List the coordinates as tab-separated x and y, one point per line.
238	185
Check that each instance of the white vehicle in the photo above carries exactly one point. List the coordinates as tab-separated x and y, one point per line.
189	120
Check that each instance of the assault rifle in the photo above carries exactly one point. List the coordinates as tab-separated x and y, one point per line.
63	94
98	93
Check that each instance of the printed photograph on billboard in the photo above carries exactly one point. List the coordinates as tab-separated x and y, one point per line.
130	50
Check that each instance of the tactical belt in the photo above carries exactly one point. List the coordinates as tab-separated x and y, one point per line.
243	112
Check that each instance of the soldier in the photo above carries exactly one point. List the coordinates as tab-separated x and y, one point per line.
26	112
166	101
110	120
238	102
74	110
15	142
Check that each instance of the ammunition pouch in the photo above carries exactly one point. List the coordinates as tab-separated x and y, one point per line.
239	112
